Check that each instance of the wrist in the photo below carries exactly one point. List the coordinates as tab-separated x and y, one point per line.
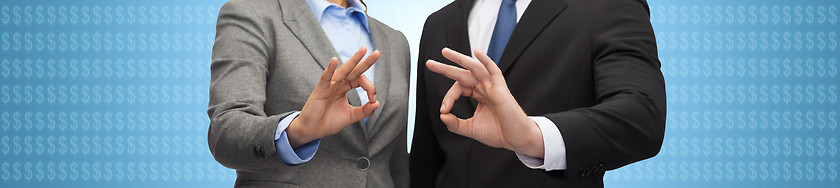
537	143
533	145
297	134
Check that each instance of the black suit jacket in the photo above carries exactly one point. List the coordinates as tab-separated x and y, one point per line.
590	66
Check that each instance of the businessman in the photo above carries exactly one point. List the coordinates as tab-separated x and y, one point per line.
535	93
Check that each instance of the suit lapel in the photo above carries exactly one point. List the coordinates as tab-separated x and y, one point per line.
299	18
457	33
538	15
382	77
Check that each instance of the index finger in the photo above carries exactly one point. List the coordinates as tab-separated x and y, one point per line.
368	86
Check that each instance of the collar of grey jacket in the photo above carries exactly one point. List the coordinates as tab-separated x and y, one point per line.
302	22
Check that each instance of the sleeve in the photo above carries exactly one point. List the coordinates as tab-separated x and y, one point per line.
426	157
628	122
555	148
241	133
290	156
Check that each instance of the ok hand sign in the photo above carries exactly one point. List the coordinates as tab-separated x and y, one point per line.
327	111
498	120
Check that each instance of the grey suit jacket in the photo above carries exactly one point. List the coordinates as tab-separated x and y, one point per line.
267	58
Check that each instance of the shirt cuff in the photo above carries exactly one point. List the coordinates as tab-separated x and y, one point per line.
555	147
284	149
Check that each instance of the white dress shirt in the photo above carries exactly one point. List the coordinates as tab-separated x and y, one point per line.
481	22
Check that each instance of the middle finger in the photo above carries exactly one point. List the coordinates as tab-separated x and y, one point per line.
452	72
475	67
348	66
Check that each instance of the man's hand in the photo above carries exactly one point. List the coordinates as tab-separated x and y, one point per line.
498	120
327	111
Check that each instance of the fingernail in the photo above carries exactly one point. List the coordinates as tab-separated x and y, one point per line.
374	99
442	106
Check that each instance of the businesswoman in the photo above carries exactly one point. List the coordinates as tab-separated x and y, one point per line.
292	78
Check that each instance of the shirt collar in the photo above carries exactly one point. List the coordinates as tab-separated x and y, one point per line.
319	6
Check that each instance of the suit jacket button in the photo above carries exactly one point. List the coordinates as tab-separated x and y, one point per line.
580	173
362	163
259	152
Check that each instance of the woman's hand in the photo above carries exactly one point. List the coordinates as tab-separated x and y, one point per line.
498	120
327	111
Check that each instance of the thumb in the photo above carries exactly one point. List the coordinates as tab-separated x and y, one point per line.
454	124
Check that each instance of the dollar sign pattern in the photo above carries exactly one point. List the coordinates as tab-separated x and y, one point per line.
106	93
752	91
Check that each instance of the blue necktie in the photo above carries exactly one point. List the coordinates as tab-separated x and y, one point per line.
505	23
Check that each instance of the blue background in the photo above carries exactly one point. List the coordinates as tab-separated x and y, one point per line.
114	93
